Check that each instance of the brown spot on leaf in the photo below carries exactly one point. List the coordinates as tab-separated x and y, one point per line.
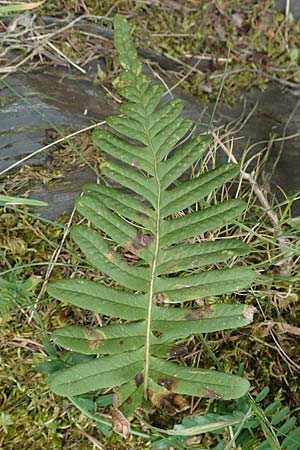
157	334
143	215
141	241
139	379
158	298
172	266
160	402
167	383
120	424
212	394
110	256
95	338
199	313
116	401
154	397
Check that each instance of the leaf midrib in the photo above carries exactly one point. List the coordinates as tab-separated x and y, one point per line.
154	263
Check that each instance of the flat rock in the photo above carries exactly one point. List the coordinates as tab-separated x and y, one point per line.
64	100
45	99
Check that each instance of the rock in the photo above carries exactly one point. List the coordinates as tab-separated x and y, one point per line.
62	195
273	111
294	7
57	99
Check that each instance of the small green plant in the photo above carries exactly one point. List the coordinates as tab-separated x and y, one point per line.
14	292
281	430
136	211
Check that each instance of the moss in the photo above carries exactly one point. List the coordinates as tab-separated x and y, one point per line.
24	396
31	416
40	419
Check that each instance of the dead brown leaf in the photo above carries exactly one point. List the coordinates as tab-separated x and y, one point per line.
282	326
120	424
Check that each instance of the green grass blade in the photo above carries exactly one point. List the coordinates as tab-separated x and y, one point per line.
6	200
287	427
19	7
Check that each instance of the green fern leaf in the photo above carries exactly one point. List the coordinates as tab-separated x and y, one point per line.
145	159
100	373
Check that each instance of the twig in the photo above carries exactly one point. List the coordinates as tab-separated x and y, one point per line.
287	9
161	79
48	36
182	63
66	58
184	77
286	31
287	83
207	58
278	347
248	177
46	147
220	91
14	68
89	437
53	262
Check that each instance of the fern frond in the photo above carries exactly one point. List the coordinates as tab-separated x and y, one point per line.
145	159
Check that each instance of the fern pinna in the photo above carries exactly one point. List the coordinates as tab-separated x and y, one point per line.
165	269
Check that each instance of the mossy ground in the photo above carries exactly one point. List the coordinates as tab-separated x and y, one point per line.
32	417
264	44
